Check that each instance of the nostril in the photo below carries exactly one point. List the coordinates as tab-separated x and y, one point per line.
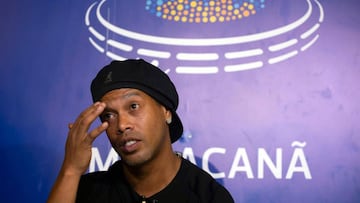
119	132
123	132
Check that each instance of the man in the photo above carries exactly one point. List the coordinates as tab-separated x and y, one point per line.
137	104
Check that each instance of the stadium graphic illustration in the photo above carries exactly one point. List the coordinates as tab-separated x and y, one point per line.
205	55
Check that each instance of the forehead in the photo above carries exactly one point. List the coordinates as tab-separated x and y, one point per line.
125	93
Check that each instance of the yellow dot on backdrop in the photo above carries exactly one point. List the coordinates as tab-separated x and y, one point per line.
223	1
173	12
180	7
184	19
245	4
164	16
211	3
180	1
193	4
204	14
213	19
236	11
158	8
186	12
217	8
221	18
197	20
230	8
251	7
176	18
223	12
205	20
199	8
246	13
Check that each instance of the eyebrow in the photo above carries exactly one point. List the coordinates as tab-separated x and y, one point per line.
131	93
127	95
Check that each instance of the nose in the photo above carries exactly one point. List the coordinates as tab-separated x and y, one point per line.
124	124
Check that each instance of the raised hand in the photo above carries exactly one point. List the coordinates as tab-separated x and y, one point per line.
77	154
80	139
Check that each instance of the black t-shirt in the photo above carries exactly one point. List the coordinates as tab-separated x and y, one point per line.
191	184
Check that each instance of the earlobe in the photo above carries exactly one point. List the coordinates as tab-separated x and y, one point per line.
168	117
169	120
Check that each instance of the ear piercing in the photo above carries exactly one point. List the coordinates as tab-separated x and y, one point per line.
169	120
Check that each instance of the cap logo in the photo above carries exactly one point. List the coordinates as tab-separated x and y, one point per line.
108	78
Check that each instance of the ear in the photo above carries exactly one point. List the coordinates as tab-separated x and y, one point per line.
168	116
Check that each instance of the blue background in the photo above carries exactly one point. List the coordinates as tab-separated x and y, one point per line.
47	64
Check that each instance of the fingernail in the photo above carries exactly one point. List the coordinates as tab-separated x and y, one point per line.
105	124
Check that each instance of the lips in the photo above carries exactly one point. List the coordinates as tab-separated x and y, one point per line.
129	145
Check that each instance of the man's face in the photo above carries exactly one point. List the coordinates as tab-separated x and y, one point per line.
137	125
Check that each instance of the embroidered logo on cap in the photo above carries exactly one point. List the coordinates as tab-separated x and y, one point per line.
108	78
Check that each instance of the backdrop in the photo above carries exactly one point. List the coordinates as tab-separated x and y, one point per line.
269	89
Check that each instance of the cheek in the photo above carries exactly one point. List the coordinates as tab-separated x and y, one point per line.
111	131
157	125
112	124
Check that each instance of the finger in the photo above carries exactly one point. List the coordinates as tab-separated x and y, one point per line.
88	111
79	128
96	132
83	122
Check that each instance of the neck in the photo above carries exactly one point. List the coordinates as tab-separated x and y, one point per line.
150	178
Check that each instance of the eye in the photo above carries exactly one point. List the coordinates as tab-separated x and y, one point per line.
134	106
107	116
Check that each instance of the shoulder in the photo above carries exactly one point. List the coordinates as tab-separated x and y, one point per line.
203	184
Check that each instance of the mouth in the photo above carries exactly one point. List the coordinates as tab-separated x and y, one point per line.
129	143
130	146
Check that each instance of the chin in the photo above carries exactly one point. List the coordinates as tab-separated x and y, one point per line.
135	160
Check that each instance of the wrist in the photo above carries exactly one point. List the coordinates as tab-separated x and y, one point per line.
71	172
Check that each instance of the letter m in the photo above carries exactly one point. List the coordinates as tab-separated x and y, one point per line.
97	161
